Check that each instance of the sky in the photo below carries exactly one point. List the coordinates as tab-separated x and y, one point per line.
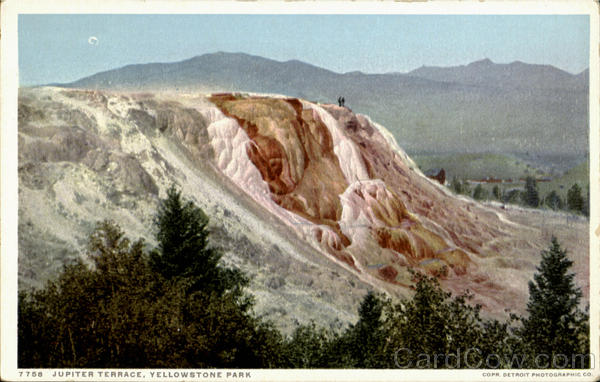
64	48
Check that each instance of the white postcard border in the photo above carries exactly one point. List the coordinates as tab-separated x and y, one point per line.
9	179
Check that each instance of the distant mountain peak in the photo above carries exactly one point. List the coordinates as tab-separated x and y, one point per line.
521	63
514	75
485	61
355	72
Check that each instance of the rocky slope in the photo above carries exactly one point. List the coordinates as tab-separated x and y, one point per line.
316	203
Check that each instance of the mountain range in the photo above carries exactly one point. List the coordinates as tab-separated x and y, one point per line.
480	107
516	75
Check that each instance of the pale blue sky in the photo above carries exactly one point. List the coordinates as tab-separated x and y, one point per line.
55	48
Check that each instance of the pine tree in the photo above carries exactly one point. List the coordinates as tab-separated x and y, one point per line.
184	251
311	347
574	199
513	196
532	198
496	192
433	322
480	193
367	336
555	327
460	186
554	201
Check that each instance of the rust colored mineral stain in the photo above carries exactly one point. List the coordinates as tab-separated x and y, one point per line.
388	273
293	150
404	233
346	258
407	236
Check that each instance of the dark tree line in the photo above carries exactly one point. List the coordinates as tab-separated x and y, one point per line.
178	307
528	196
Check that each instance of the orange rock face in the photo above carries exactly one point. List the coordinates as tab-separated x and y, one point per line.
455	222
367	203
293	151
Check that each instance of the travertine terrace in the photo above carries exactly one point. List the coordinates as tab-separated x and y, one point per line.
326	192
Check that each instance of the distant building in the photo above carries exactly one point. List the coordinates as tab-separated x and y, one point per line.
438	174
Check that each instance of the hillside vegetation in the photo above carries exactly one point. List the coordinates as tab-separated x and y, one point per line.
477	166
579	174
